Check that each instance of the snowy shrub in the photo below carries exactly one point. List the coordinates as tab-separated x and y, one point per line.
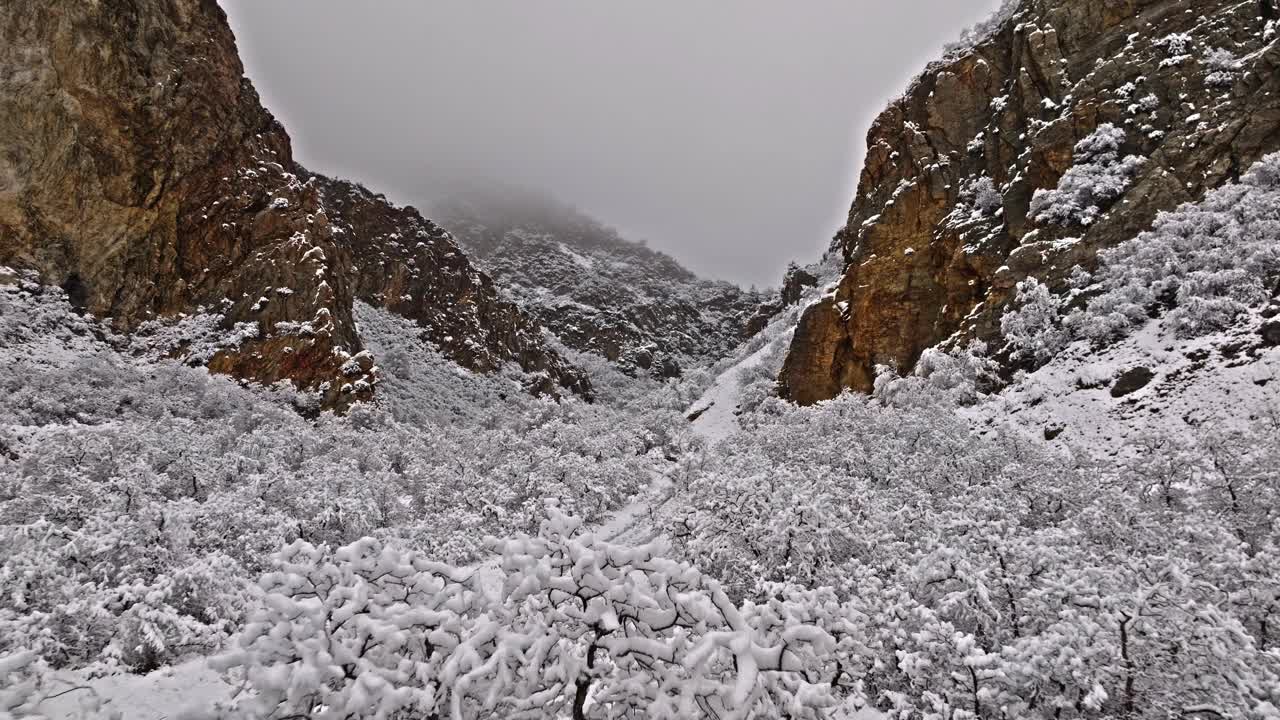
984	29
1177	48
1033	329
986	196
956	375
979	201
1208	261
112	595
1098	177
1223	66
567	625
358	632
1176	44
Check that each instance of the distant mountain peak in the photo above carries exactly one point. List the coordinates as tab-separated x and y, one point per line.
596	290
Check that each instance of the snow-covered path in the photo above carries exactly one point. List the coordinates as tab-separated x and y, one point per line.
633	524
160	695
715	413
714	418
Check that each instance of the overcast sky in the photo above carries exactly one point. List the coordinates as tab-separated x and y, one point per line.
726	133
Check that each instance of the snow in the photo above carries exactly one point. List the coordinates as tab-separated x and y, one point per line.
714	414
849	712
1196	384
160	695
581	260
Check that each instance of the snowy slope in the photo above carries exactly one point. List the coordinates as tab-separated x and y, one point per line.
715	415
160	695
597	291
1223	379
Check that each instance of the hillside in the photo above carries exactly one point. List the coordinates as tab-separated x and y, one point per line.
140	172
1058	130
597	291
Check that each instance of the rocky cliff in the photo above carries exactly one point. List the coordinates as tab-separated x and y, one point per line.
414	268
1113	110
597	291
139	171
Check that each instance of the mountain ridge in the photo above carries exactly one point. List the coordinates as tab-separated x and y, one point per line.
596	290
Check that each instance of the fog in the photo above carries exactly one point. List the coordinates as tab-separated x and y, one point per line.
728	134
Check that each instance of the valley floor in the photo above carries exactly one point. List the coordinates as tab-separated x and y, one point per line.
932	542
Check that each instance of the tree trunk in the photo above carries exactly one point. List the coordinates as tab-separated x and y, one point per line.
583	686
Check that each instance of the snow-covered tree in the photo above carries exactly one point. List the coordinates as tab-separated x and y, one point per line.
1098	177
564	626
1034	328
961	375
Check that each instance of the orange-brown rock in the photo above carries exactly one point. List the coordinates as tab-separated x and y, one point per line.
139	171
931	259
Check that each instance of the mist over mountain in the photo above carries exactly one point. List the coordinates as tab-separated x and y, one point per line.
734	168
596	291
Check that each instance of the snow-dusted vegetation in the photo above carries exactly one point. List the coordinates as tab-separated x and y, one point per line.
1202	267
1209	262
1099	176
1077	520
138	496
996	575
912	551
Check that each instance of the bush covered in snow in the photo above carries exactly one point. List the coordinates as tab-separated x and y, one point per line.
138	496
1098	177
1034	328
959	376
564	626
1207	262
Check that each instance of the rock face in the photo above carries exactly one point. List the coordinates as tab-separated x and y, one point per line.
596	291
942	227
794	282
414	268
139	171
